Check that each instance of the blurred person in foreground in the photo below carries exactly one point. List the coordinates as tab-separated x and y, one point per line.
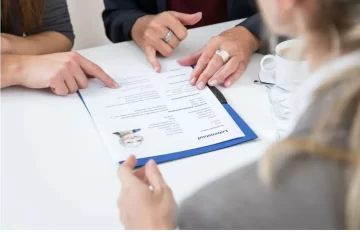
310	180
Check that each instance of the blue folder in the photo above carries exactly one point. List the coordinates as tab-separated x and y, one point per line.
248	132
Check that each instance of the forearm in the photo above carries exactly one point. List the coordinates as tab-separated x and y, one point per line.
254	25
11	70
42	43
248	37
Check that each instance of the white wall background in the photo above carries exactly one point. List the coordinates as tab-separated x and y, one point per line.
87	22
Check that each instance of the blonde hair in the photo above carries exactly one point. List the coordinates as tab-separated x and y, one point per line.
337	21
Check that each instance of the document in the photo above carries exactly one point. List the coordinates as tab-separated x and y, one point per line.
155	114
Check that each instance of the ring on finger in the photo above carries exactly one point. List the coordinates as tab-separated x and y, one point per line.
168	36
174	42
225	56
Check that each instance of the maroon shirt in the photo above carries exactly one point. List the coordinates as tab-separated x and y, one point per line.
213	11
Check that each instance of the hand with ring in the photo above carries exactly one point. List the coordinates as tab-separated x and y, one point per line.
223	60
162	33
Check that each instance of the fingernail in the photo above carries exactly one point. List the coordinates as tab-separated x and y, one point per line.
201	85
228	84
116	85
213	82
193	81
157	69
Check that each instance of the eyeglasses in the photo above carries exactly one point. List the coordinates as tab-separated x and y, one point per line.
260	82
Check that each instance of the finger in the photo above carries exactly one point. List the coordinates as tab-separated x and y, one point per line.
154	176
173	42
204	59
214	65
162	47
93	69
58	86
141	175
192	59
71	84
80	77
174	24
126	173
70	81
130	162
231	79
60	89
229	68
150	53
188	19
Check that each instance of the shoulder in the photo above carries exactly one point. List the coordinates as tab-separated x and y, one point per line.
333	100
307	195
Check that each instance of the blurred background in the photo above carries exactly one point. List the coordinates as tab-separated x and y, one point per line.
88	24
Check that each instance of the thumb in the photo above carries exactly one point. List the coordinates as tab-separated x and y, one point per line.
154	176
150	54
188	19
126	173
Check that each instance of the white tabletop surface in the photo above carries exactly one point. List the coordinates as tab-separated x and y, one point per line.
55	171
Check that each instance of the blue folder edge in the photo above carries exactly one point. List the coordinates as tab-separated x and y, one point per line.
248	132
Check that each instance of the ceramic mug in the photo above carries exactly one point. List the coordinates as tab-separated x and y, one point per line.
287	71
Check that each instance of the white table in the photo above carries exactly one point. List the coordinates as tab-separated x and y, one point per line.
55	171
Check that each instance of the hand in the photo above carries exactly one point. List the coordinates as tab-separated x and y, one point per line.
142	207
150	30
5	45
210	68
64	73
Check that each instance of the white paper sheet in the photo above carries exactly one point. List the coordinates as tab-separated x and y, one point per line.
155	114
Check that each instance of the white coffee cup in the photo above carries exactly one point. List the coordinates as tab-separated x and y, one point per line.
288	73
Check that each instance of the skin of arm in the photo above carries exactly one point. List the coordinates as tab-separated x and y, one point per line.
11	70
37	44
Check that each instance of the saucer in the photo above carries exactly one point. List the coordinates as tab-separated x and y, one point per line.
267	77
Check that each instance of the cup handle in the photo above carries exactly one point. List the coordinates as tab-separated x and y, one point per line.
265	58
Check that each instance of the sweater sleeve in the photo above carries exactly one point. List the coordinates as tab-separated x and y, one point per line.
254	25
308	195
57	18
119	18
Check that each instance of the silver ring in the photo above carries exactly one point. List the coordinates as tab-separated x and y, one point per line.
168	36
225	56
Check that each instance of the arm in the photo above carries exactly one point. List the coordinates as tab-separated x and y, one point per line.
64	72
254	25
119	17
10	70
308	194
55	35
254	22
36	44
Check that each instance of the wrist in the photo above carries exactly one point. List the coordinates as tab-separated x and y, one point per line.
162	226
252	40
23	69
6	46
11	70
155	223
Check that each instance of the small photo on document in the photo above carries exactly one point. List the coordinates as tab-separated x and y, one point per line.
130	138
